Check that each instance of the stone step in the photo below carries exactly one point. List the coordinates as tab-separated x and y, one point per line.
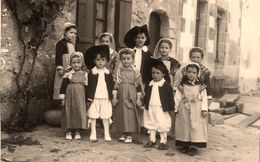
234	120
256	124
228	100
248	121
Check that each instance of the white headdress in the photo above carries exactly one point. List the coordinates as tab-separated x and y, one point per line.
190	63
156	53
112	44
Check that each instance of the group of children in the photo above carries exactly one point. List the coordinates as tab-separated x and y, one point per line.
133	89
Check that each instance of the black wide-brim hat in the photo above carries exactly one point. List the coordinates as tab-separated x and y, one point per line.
129	38
160	65
92	52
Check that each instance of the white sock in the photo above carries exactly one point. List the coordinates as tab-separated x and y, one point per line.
106	129
163	136
93	134
152	135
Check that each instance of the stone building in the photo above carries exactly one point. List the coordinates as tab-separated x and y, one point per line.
214	25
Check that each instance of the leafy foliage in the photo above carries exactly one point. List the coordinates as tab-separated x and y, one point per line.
13	141
33	18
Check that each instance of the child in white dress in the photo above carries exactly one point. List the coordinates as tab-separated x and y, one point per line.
158	103
192	109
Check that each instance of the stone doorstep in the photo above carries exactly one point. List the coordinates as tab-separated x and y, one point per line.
219	111
230	110
215	118
240	107
228	100
237	108
215	107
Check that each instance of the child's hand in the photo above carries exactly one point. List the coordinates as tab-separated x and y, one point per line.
142	108
62	103
114	101
85	82
139	103
176	112
88	104
204	113
60	71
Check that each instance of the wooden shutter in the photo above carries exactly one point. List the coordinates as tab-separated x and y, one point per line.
86	24
123	21
101	17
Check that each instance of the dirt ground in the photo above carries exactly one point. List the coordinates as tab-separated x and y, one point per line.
226	144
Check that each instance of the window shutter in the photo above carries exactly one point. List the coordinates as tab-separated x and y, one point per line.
123	20
85	23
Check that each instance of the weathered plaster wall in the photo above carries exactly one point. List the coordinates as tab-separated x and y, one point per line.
42	79
250	46
187	28
231	64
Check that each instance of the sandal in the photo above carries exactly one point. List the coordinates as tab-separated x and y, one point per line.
122	138
149	144
68	136
77	135
129	139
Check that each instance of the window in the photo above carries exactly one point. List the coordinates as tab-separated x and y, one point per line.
91	21
101	19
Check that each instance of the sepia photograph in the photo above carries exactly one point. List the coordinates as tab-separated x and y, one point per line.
130	80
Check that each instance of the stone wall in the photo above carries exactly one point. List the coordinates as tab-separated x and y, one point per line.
42	79
167	10
187	28
218	33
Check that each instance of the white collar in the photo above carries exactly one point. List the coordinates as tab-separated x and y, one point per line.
96	71
159	83
193	81
111	51
144	48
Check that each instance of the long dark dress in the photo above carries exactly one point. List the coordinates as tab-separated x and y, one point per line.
64	49
74	114
126	113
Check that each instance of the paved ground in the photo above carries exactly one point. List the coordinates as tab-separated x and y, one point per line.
226	144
